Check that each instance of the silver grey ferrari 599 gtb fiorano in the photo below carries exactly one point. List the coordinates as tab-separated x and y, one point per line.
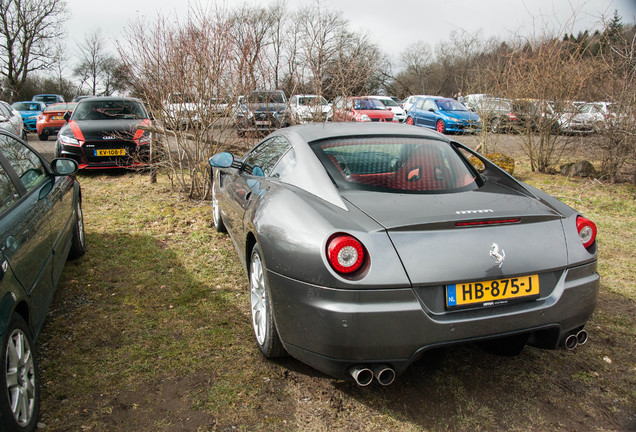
367	244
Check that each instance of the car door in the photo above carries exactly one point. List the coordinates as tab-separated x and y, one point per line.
26	238
248	183
429	113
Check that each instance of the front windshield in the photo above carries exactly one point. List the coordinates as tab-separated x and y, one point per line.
45	98
109	110
368	104
395	164
267	97
312	100
27	106
450	105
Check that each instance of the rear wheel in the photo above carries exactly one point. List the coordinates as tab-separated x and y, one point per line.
20	379
43	137
263	323
78	244
440	126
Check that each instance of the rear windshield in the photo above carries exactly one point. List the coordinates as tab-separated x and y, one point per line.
388	164
70	106
47	98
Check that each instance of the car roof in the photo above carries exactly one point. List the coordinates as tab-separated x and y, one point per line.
329	130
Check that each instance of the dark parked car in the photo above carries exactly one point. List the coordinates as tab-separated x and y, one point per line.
262	111
41	224
366	244
30	111
104	132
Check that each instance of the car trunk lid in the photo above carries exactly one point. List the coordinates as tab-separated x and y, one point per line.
449	237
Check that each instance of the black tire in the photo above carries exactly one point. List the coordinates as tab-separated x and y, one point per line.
43	137
25	382
78	243
508	346
217	219
263	322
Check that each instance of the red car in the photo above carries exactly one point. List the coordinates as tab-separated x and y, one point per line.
52	119
361	109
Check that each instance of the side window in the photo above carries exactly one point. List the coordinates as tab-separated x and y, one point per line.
8	192
27	165
263	158
429	104
420	104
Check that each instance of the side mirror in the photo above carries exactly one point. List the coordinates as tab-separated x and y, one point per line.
63	166
222	160
67	116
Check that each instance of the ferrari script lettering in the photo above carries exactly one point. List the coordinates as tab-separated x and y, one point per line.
463	212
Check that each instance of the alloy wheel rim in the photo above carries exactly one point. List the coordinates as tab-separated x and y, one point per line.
440	126
258	299
20	377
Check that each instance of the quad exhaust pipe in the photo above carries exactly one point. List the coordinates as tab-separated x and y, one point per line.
576	339
363	375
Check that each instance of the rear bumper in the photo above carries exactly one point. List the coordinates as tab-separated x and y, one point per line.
332	330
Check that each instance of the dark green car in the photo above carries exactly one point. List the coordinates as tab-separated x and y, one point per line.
41	225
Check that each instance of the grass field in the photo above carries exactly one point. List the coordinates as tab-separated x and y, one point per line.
150	331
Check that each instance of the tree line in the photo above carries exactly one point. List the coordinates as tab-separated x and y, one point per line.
218	53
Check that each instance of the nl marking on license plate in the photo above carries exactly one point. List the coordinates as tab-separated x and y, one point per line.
493	292
110	152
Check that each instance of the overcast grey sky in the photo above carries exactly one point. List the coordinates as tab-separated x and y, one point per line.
393	25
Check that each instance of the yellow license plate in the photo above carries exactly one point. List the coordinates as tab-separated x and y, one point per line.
493	292
110	152
57	118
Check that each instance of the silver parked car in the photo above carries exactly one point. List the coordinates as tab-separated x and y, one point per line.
367	244
11	120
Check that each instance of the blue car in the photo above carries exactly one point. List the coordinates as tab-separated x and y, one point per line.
30	110
443	115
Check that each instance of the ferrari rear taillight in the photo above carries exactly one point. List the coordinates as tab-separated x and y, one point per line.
587	231
345	253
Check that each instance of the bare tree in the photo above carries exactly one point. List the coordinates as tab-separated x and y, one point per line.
93	58
27	30
181	71
617	67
